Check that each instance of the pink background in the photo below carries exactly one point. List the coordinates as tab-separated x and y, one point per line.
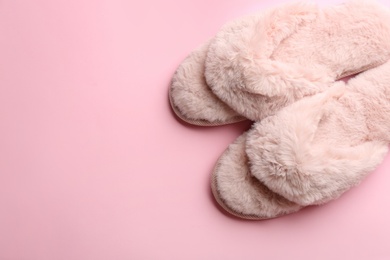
93	164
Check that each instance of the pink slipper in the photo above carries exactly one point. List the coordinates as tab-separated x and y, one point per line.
261	63
310	152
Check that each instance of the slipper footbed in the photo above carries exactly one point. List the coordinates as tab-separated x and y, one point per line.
239	193
192	100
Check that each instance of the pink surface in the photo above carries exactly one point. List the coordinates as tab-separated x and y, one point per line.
93	164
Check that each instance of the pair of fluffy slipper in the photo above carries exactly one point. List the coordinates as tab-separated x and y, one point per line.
314	137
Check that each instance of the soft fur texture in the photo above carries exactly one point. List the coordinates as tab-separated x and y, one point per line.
321	146
240	193
261	63
310	152
191	98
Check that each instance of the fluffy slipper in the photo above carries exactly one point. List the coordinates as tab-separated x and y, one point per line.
319	147
261	63
192	100
309	152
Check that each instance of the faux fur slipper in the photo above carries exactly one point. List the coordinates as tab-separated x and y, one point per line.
261	63
310	152
192	100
